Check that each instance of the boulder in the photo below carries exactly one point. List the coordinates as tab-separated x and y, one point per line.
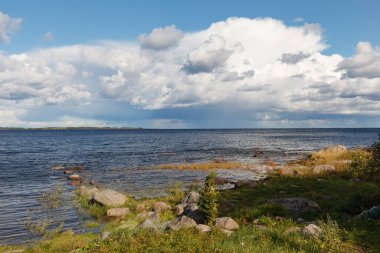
145	215
226	223
181	222
68	172
221	181
260	227
151	223
88	192
296	205
203	228
140	208
192	211
323	168
117	212
74	177
109	197
227	232
311	230
57	168
246	183
371	214
179	209
105	235
191	198
160	207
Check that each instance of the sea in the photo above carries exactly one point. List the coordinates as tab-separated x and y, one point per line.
128	160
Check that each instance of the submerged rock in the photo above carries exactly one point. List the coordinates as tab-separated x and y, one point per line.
117	212
77	168
226	223
57	168
323	168
75	177
296	205
181	222
109	197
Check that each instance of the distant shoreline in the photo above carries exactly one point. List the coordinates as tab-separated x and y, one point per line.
71	128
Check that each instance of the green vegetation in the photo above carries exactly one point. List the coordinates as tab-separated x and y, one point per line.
208	202
341	194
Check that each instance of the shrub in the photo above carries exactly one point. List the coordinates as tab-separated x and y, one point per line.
208	203
374	161
359	163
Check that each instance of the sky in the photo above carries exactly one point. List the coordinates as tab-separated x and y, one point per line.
190	64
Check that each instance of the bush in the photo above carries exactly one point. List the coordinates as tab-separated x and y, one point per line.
359	163
374	161
208	203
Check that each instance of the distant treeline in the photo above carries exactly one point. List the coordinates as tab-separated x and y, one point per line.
72	128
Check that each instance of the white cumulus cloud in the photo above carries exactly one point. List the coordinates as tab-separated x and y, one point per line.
8	26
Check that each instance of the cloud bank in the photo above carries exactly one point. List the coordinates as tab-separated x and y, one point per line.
238	72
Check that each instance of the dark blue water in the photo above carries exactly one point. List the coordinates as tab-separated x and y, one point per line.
118	159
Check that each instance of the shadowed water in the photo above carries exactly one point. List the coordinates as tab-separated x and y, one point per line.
118	159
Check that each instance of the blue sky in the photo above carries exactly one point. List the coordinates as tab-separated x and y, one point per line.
276	64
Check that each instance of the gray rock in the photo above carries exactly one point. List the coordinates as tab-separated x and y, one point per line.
140	208
191	198
181	222
88	192
179	209
371	214
323	168
312	230
246	183
145	215
260	227
226	223
203	228
105	235
296	205
192	211
109	197
227	232
117	212
160	207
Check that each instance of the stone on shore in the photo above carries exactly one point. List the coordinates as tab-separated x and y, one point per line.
68	172
246	183
181	222
323	168
203	228
312	230
88	192
75	177
296	205
109	197
226	223
77	168
160	207
191	198
140	208
227	232
179	209
117	212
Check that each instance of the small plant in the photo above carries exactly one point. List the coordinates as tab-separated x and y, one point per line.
208	203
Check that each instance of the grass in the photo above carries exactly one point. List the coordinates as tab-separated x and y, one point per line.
340	195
